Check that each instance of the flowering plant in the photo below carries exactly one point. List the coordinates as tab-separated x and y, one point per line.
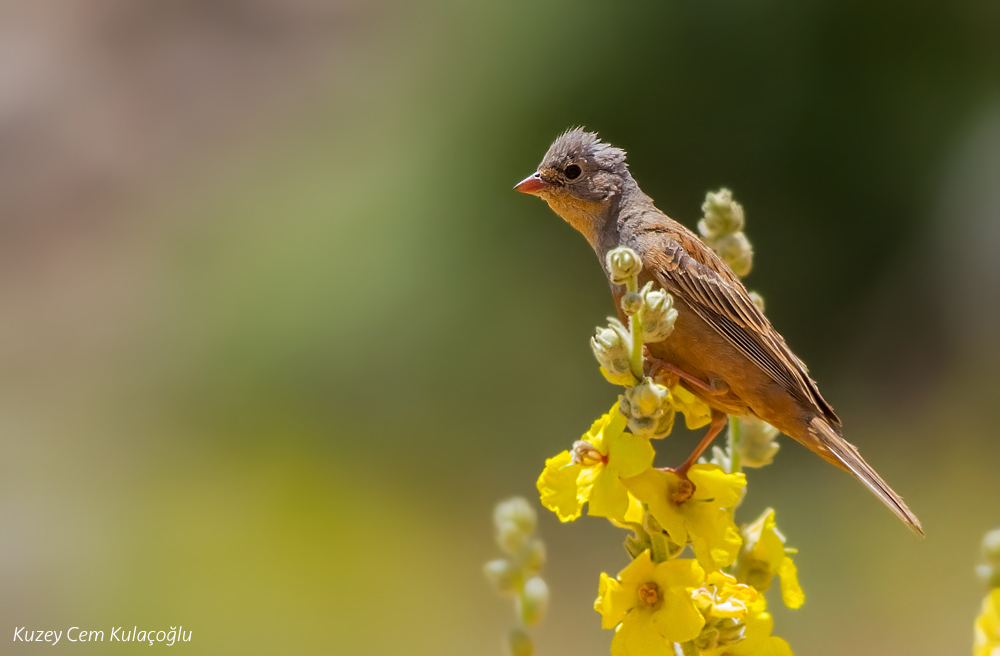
696	581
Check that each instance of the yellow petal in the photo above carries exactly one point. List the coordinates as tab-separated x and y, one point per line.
713	482
613	602
641	637
791	592
696	412
608	497
679	573
626	380
678	619
654	487
638	571
557	487
714	537
987	627
629	455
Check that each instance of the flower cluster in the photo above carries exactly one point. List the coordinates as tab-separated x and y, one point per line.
664	602
517	574
986	640
721	227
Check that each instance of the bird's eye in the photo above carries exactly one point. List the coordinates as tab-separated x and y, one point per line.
572	172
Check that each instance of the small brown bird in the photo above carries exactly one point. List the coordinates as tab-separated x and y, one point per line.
722	349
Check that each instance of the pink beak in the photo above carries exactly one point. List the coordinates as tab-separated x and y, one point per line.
533	184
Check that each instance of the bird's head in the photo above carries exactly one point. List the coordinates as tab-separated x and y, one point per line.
578	177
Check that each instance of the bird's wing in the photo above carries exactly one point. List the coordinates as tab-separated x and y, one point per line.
684	266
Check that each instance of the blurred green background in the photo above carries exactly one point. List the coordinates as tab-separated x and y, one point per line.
276	333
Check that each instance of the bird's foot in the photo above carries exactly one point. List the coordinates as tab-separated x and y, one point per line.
685	488
656	366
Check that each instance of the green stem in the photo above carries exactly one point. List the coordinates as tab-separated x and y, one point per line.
688	648
635	328
734	442
658	548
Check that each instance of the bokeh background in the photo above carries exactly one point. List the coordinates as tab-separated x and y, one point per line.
276	333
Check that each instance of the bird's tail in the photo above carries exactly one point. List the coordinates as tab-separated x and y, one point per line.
845	455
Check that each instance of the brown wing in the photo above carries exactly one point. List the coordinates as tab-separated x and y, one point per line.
689	269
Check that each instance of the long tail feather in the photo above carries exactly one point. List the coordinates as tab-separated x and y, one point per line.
845	455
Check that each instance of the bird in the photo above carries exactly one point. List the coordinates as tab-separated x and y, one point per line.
723	349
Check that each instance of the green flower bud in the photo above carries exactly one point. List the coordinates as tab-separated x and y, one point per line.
991	546
504	576
758	300
659	314
721	215
756	445
623	264
990	574
631	303
611	347
534	601
720	632
648	410
533	557
515	521
520	643
736	252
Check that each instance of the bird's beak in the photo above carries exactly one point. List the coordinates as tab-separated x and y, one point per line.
533	184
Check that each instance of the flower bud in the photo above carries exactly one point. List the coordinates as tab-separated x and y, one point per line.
515	521
991	546
631	303
990	574
756	445
758	300
659	314
611	347
520	643
504	576
533	557
534	601
623	264
648	410
722	215
736	252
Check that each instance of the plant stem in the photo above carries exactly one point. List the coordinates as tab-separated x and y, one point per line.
635	328
734	441
658	548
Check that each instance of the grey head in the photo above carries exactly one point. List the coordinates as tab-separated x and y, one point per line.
580	178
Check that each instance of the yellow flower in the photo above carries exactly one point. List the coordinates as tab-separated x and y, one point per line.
696	412
700	518
757	639
724	604
591	472
651	605
764	556
987	631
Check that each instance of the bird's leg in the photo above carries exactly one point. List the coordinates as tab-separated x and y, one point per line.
656	365
685	489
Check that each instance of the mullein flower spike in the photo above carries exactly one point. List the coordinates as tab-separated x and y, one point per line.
517	574
721	215
663	603
721	227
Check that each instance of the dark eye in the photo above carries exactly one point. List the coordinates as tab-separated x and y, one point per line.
572	172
